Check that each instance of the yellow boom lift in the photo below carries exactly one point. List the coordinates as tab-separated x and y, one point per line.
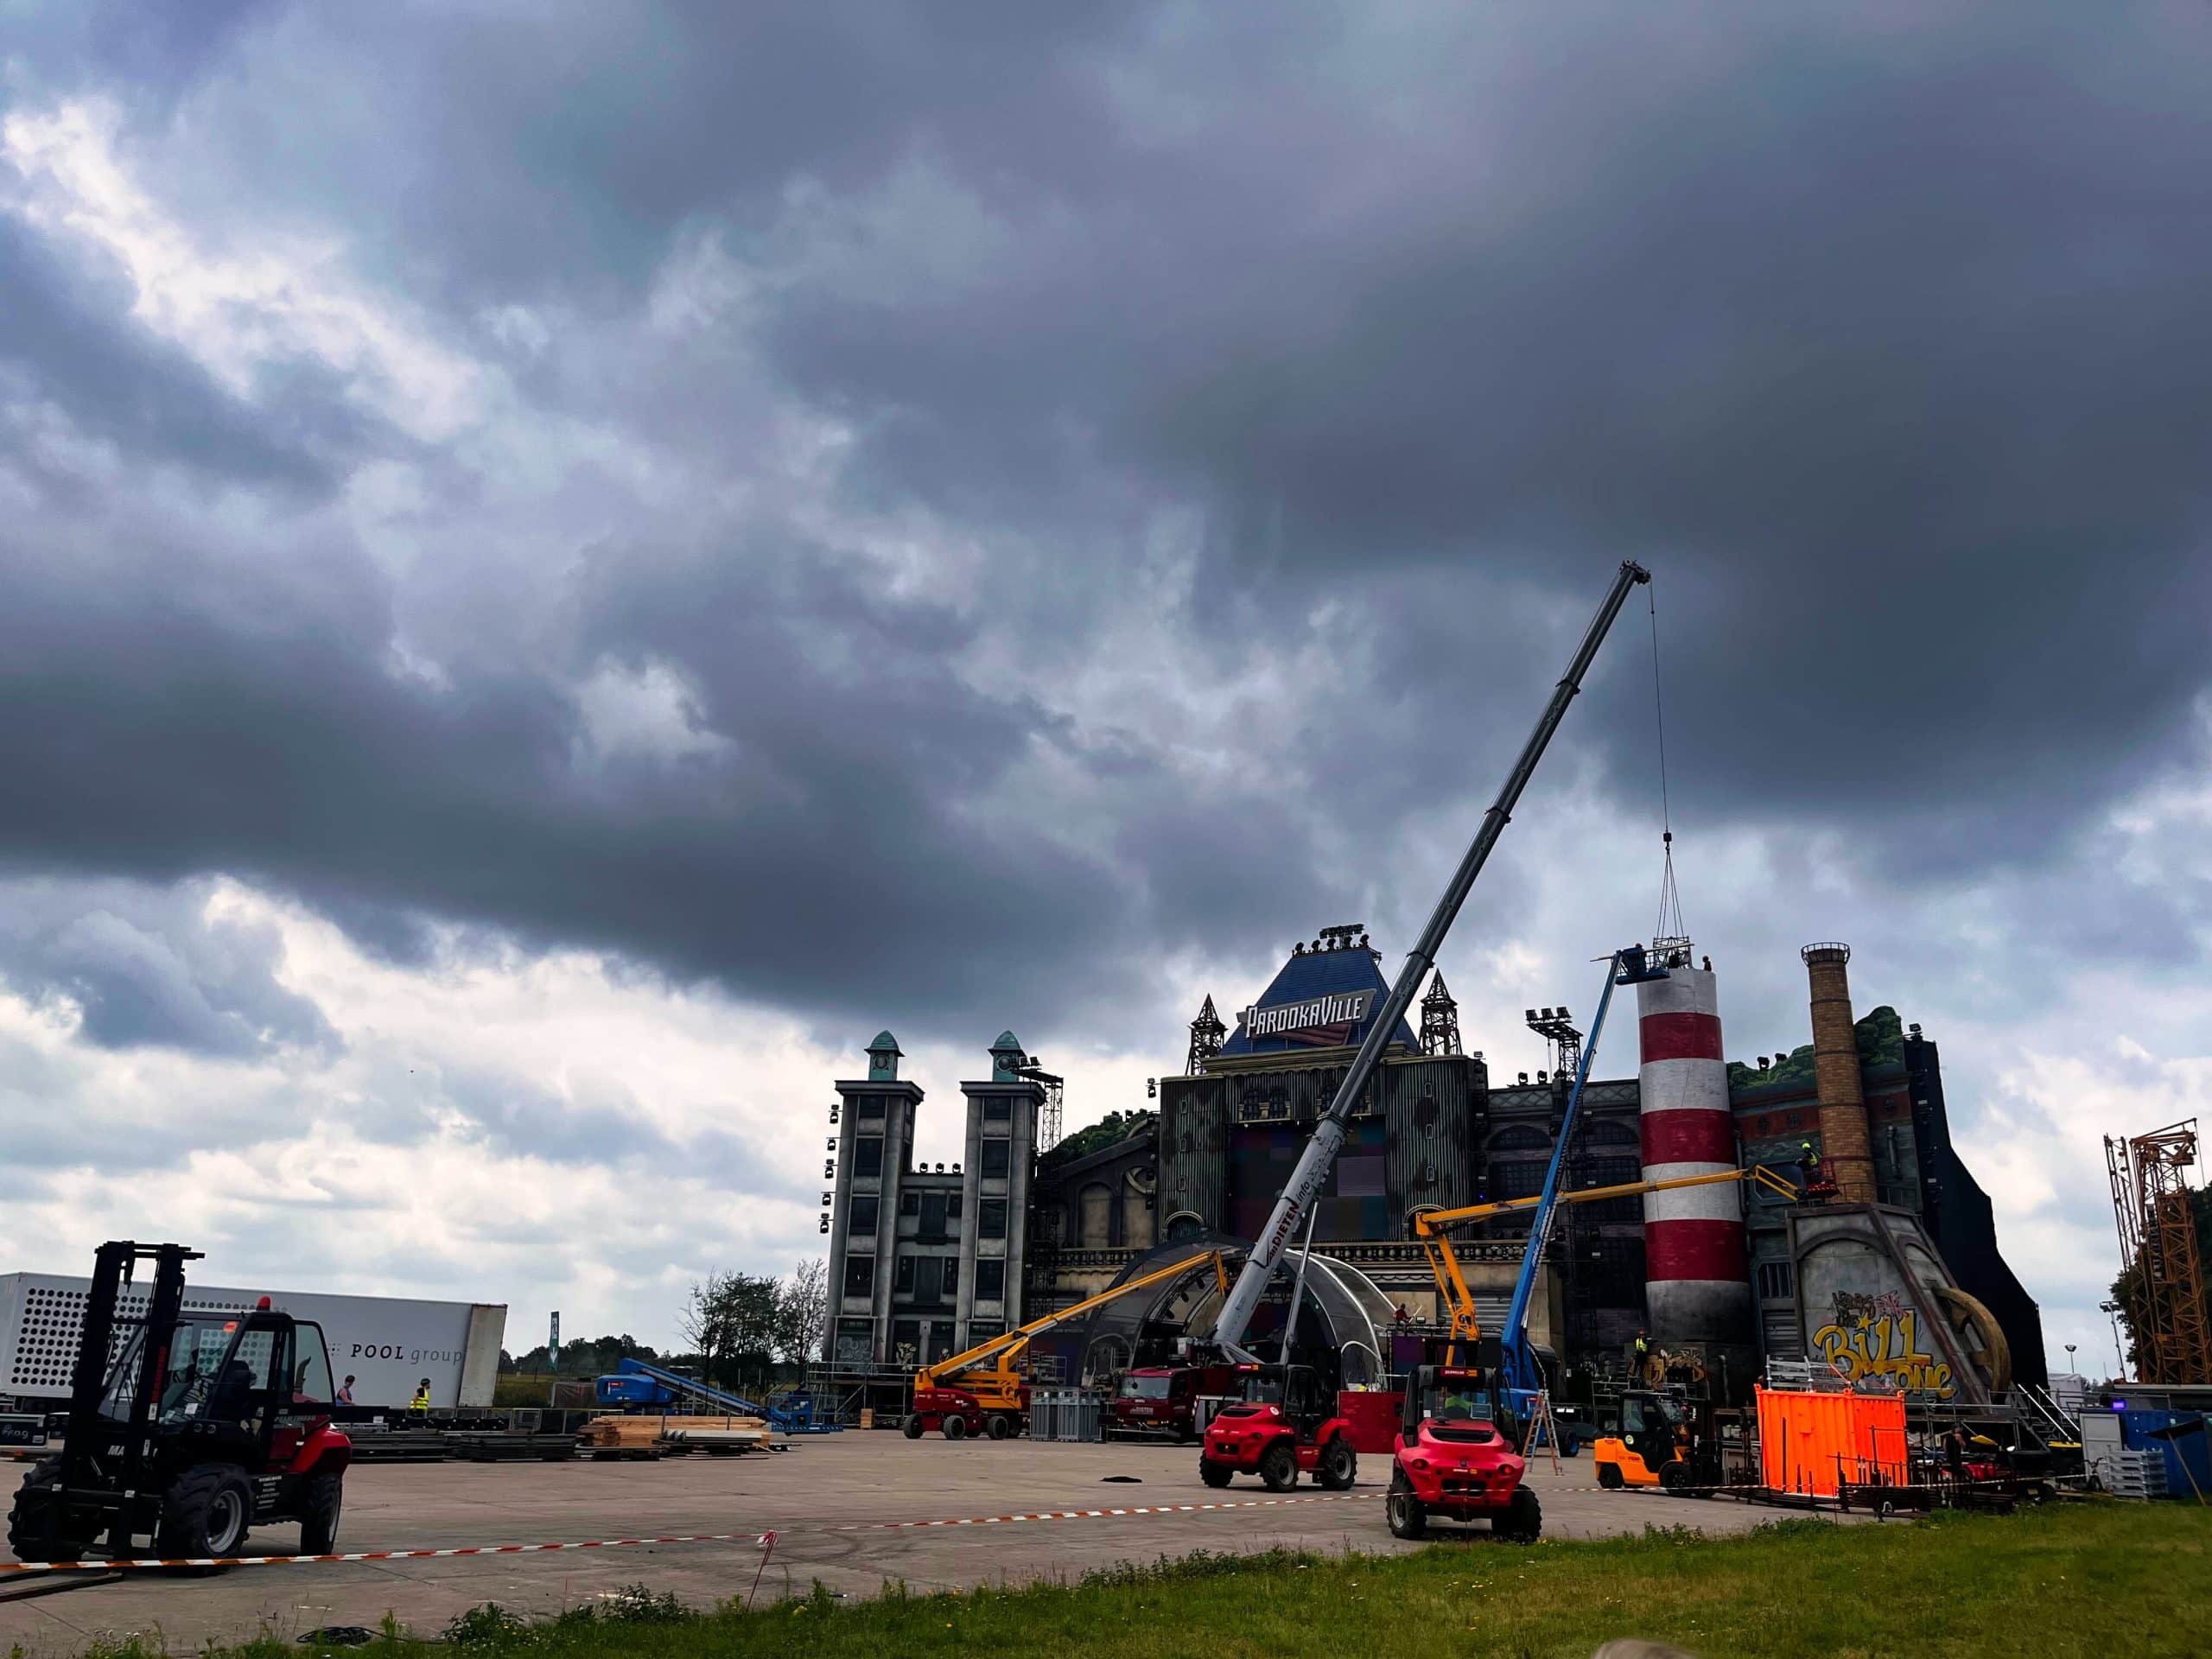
985	1390
1433	1229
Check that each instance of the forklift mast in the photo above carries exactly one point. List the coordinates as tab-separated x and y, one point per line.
91	1433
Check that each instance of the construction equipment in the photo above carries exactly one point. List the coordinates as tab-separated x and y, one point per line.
1522	1375
1314	1163
1663	1438
2162	1286
1433	1227
1453	1462
635	1384
1285	1424
1156	1401
201	1426
985	1389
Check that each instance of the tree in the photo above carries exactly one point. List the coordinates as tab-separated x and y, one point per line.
802	1312
732	1320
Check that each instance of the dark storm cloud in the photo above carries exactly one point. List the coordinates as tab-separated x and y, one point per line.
1880	338
1881	348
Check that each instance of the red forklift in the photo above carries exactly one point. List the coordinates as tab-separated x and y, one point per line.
1285	1424
202	1425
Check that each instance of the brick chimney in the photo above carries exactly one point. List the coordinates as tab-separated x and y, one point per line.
1845	1141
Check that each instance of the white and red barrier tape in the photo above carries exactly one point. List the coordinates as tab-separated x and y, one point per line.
765	1540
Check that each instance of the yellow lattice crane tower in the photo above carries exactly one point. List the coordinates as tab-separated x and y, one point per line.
2163	1281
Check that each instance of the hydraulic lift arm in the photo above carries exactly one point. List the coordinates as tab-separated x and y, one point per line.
1003	1350
1312	1168
1433	1229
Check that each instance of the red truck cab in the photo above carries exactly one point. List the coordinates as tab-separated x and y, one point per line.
1163	1400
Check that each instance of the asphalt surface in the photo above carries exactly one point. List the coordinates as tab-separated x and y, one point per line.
842	1507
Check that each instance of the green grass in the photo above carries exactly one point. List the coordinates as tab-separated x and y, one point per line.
2076	1579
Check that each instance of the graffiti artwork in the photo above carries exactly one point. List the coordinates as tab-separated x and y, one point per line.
1878	1337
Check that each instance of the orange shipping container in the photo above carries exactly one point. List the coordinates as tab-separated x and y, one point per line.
1806	1440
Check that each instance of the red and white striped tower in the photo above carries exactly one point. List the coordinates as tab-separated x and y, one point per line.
1696	1271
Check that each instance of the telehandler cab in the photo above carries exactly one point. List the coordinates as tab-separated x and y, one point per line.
1453	1462
1286	1424
205	1425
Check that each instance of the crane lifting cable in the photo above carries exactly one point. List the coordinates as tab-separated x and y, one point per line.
1670	932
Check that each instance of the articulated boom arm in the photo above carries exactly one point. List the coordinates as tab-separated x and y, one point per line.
1433	1229
1312	1168
1003	1352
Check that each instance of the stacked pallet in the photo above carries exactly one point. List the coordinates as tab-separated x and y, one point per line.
652	1437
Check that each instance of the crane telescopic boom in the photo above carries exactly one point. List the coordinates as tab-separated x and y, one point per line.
1312	1168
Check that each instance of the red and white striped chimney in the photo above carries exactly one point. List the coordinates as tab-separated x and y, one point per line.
1696	1271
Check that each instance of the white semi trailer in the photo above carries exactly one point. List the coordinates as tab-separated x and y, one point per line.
386	1343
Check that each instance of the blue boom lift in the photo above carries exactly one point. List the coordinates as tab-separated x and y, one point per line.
634	1383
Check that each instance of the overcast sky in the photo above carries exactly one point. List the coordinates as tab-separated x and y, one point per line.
566	564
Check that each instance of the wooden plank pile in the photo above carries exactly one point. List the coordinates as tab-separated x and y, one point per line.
655	1436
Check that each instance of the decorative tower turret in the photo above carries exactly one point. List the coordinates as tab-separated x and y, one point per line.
1439	1020
1206	1034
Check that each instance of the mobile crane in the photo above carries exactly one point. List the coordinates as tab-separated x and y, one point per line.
1291	1208
985	1389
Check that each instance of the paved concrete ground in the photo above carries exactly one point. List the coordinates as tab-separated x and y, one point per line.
826	1499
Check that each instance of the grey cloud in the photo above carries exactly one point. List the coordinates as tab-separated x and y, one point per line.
67	334
147	967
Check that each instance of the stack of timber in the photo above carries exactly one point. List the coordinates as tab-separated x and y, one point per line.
653	1437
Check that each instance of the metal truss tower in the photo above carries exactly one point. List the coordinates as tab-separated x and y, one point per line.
1439	1020
2150	1197
1206	1034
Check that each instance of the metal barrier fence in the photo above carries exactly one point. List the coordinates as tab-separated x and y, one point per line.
1064	1413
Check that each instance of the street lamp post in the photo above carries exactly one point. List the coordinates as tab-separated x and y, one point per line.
2111	1311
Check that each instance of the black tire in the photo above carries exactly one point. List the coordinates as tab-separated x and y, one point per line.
1408	1518
1523	1521
321	1501
996	1429
1279	1467
206	1513
1216	1475
1339	1465
26	1519
955	1428
1610	1477
1673	1475
912	1428
1571	1446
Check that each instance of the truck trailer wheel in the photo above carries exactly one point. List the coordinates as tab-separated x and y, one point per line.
1339	1465
206	1513
1408	1519
320	1502
912	1428
1521	1521
1216	1475
955	1428
1279	1467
